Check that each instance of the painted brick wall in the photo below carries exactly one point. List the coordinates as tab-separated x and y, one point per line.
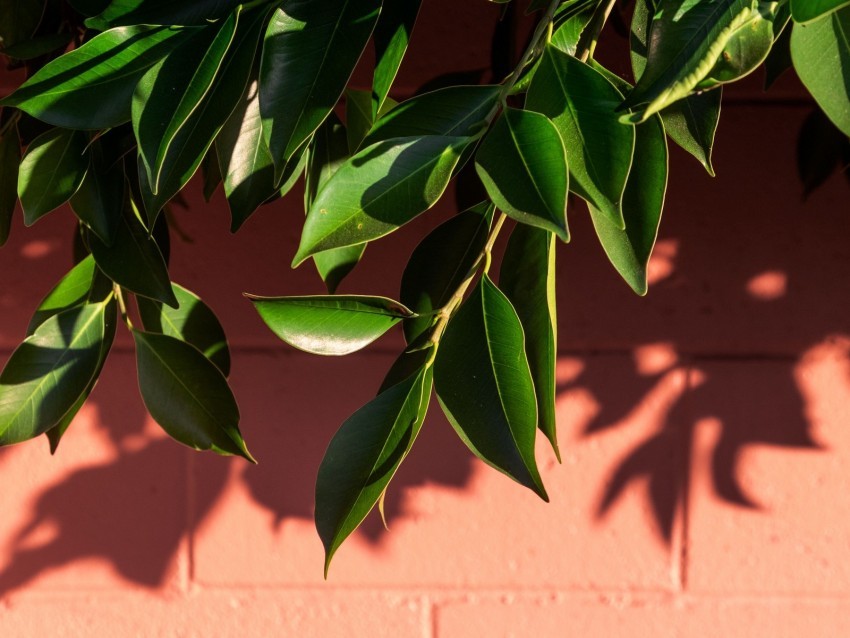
704	431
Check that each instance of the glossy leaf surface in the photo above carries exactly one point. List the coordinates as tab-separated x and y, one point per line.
10	160
484	385
523	165
51	171
440	263
187	395
48	372
527	277
309	52
363	456
72	290
392	36
379	189
167	12
330	324
581	102
92	86
821	54
99	200
808	10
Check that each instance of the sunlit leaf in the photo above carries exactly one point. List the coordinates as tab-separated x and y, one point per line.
168	12
392	36
809	10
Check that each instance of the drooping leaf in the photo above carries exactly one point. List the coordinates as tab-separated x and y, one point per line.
690	122
38	46
379	189
484	385
330	324
440	263
54	435
453	111
193	322
821	54
10	161
392	35
309	53
99	200
49	371
19	20
72	290
527	277
167	12
523	165
328	151
134	261
91	87
809	10
51	171
172	89
581	102
195	138
187	395
363	456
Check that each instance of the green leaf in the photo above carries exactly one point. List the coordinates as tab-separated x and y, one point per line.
523	165
193	141
193	322
38	46
49	371
167	12
392	36
581	102
10	161
134	261
91	87
99	200
330	324
629	249
55	434
439	265
309	53
72	290
363	456
779	59
328	151
527	277
821	54
381	188
484	385
89	7
18	20
211	173
692	121
809	10
187	395
452	111
172	89
358	117
695	45
568	33
51	171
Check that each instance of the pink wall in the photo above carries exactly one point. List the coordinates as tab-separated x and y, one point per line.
704	431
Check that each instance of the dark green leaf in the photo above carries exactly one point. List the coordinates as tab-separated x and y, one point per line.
72	290
484	385
171	90
92	86
55	434
19	20
808	10
168	12
821	150
329	324
134	261
48	372
779	59
692	121
527	277
392	35
10	161
51	171
363	456
187	395
453	111
38	46
211	173
581	102
193	322
439	265
821	54
379	189
358	117
309	53
100	198
89	7
523	165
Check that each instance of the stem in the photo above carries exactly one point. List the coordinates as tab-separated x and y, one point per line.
122	305
587	41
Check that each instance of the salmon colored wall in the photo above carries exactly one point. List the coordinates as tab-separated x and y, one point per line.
704	428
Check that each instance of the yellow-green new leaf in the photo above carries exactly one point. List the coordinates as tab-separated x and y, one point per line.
187	395
330	324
